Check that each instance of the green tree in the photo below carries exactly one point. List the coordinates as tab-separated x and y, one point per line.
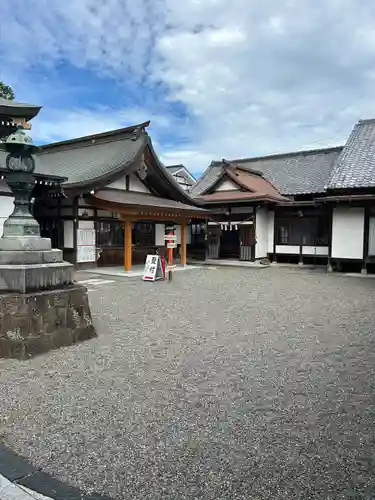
6	92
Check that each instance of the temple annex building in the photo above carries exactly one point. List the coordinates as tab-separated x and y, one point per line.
110	199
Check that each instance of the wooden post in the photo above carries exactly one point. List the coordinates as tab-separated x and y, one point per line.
128	245
183	243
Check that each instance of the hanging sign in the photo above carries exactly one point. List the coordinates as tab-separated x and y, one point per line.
172	245
153	269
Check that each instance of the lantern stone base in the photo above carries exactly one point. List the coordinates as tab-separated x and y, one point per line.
24	243
35	277
35	323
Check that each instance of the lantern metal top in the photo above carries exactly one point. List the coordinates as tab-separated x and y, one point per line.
19	142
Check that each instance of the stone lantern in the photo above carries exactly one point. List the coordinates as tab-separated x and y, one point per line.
41	307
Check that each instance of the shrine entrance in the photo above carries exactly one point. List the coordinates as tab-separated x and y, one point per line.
230	243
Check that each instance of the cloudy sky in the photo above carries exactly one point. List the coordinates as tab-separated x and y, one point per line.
217	78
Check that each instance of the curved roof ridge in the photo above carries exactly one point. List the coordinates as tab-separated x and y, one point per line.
100	135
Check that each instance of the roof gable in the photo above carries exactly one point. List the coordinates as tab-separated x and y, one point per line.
182	171
355	167
244	185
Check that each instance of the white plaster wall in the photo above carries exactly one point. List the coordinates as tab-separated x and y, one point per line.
347	232
6	208
68	234
261	233
119	184
271	231
227	185
135	184
287	249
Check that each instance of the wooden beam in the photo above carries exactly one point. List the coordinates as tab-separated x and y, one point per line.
183	243
128	245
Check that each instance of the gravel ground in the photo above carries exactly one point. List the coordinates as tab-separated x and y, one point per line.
225	384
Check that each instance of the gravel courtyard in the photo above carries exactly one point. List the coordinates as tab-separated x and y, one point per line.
225	384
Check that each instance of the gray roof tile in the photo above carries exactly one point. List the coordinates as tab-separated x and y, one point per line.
88	159
355	167
302	172
89	163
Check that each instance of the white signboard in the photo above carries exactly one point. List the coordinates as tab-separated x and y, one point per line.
153	269
170	237
171	245
86	248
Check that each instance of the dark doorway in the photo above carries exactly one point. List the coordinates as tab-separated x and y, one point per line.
230	244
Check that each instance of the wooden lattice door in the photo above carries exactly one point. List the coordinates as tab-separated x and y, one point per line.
213	242
247	242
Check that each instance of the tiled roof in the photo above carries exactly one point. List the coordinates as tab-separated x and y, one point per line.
91	163
89	159
174	168
302	172
355	167
255	186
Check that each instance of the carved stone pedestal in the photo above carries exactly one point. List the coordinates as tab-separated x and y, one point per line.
35	323
41	308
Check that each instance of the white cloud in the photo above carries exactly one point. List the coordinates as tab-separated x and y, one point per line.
255	77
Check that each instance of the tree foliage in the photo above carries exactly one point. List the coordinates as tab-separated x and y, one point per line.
6	92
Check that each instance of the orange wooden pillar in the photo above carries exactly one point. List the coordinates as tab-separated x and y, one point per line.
128	245
183	243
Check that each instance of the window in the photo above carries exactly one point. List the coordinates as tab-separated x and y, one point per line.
308	231
144	234
110	233
288	231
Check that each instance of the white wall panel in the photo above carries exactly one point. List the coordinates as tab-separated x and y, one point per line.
261	233
227	185
119	184
348	232
311	250
287	249
135	184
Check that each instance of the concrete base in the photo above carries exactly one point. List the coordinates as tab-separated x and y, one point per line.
32	277
35	323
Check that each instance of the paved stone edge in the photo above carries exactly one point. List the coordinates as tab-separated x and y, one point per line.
19	472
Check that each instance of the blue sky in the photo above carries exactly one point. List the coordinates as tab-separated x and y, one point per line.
217	79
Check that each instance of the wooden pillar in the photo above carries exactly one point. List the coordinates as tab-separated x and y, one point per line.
183	243
128	245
